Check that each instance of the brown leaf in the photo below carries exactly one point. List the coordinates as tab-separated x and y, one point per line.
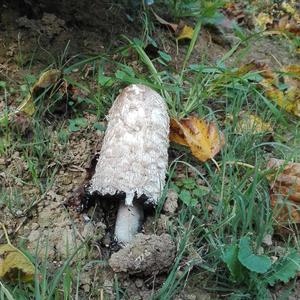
181	30
173	26
176	134
287	24
202	138
285	190
252	66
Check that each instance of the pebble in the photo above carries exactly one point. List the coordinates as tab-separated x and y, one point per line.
139	283
267	240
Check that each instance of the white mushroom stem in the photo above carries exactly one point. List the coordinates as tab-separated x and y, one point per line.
128	223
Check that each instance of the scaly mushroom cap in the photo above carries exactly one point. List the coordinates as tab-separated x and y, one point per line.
134	155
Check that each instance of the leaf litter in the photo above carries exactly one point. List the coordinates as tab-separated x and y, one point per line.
285	190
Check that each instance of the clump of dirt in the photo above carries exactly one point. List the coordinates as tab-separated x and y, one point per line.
147	255
171	203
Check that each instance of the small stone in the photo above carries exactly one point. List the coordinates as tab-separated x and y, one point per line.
19	213
86	287
267	240
106	240
88	230
139	283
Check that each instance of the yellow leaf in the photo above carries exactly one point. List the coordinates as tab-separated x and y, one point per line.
47	79
27	106
289	99
14	264
185	33
203	139
249	122
262	20
289	8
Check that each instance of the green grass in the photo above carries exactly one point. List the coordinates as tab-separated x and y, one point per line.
233	203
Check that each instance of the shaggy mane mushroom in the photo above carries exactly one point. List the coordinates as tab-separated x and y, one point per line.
134	156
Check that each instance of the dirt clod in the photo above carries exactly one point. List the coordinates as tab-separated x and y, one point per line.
147	255
171	203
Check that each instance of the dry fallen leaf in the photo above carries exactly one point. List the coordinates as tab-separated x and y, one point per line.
14	264
262	20
235	11
202	138
286	25
251	123
285	190
284	18
47	79
186	32
288	99
181	30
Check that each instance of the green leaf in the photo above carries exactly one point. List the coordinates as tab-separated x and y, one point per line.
230	258
77	124
30	79
201	191
285	268
105	80
166	57
2	84
189	183
186	197
102	79
254	263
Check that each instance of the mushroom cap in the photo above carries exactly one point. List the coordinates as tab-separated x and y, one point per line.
134	154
